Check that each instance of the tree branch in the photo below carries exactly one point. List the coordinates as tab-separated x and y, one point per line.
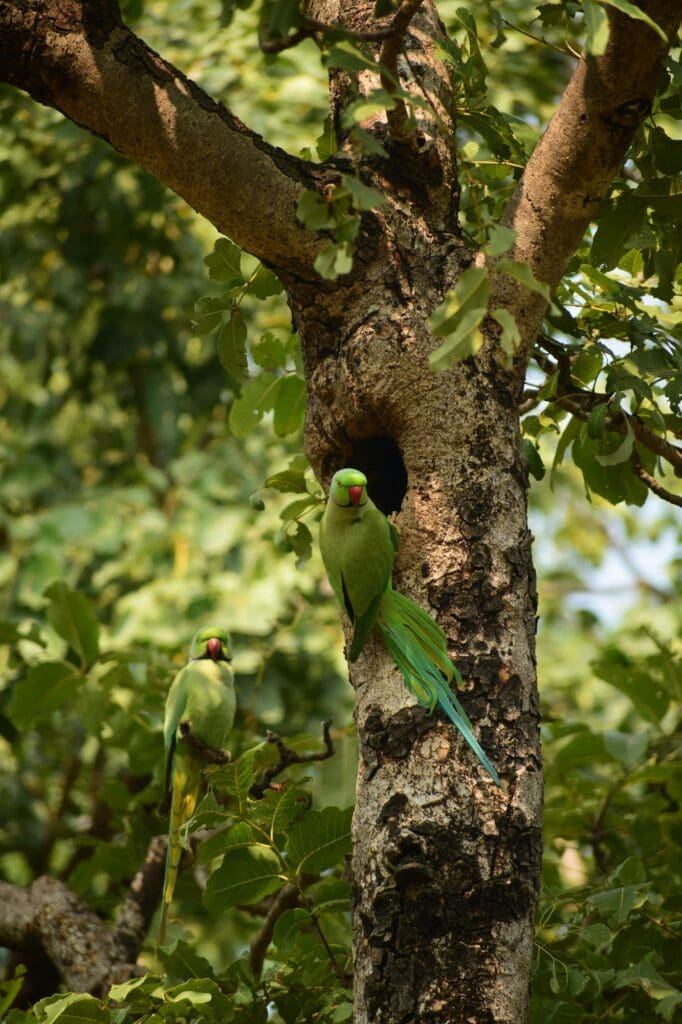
50	917
310	27
658	489
287	897
573	164
287	757
142	899
81	59
579	402
88	954
388	57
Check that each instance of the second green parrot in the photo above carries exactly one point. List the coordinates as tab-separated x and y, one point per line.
201	705
358	546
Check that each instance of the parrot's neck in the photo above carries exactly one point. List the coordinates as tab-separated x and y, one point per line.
344	515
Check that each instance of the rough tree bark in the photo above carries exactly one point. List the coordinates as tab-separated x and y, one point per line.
445	865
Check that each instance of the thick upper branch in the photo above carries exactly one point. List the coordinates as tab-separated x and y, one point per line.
581	151
79	58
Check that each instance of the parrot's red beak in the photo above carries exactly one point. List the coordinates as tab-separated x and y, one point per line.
214	647
355	494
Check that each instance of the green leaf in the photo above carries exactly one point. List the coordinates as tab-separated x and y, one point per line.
521	272
615	483
637	13
204	992
363	197
500	240
536	466
650	700
297	508
269	352
256	398
596	421
510	337
209	313
232	345
471	291
236	778
118	993
302	543
284	807
246	875
315	212
377	101
182	961
46	687
597	25
458	317
367	143
241	833
616	905
71	1009
71	615
321	840
334	260
625	747
465	340
630	872
287	931
326	144
570	434
618	220
265	283
289	406
622	452
644	976
224	262
586	366
288	481
349	57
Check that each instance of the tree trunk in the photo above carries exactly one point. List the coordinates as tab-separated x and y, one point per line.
445	864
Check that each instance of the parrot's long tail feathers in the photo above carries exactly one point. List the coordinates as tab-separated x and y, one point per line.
182	808
417	645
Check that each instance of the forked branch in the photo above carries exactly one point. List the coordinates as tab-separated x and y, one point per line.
287	757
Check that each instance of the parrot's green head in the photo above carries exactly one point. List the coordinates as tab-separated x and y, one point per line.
211	642
349	488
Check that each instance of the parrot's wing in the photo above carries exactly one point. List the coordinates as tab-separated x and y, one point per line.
395	536
362	624
176	702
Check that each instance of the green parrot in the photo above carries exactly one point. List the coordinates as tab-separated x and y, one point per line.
200	704
358	546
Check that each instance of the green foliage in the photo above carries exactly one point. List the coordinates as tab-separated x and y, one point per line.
338	212
151	481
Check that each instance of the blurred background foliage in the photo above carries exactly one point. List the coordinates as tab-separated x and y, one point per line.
134	508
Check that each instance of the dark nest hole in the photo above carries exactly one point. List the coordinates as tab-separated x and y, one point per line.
380	459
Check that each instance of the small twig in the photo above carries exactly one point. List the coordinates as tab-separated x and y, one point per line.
388	58
597	833
328	949
310	27
287	757
529	400
540	39
658	489
287	897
